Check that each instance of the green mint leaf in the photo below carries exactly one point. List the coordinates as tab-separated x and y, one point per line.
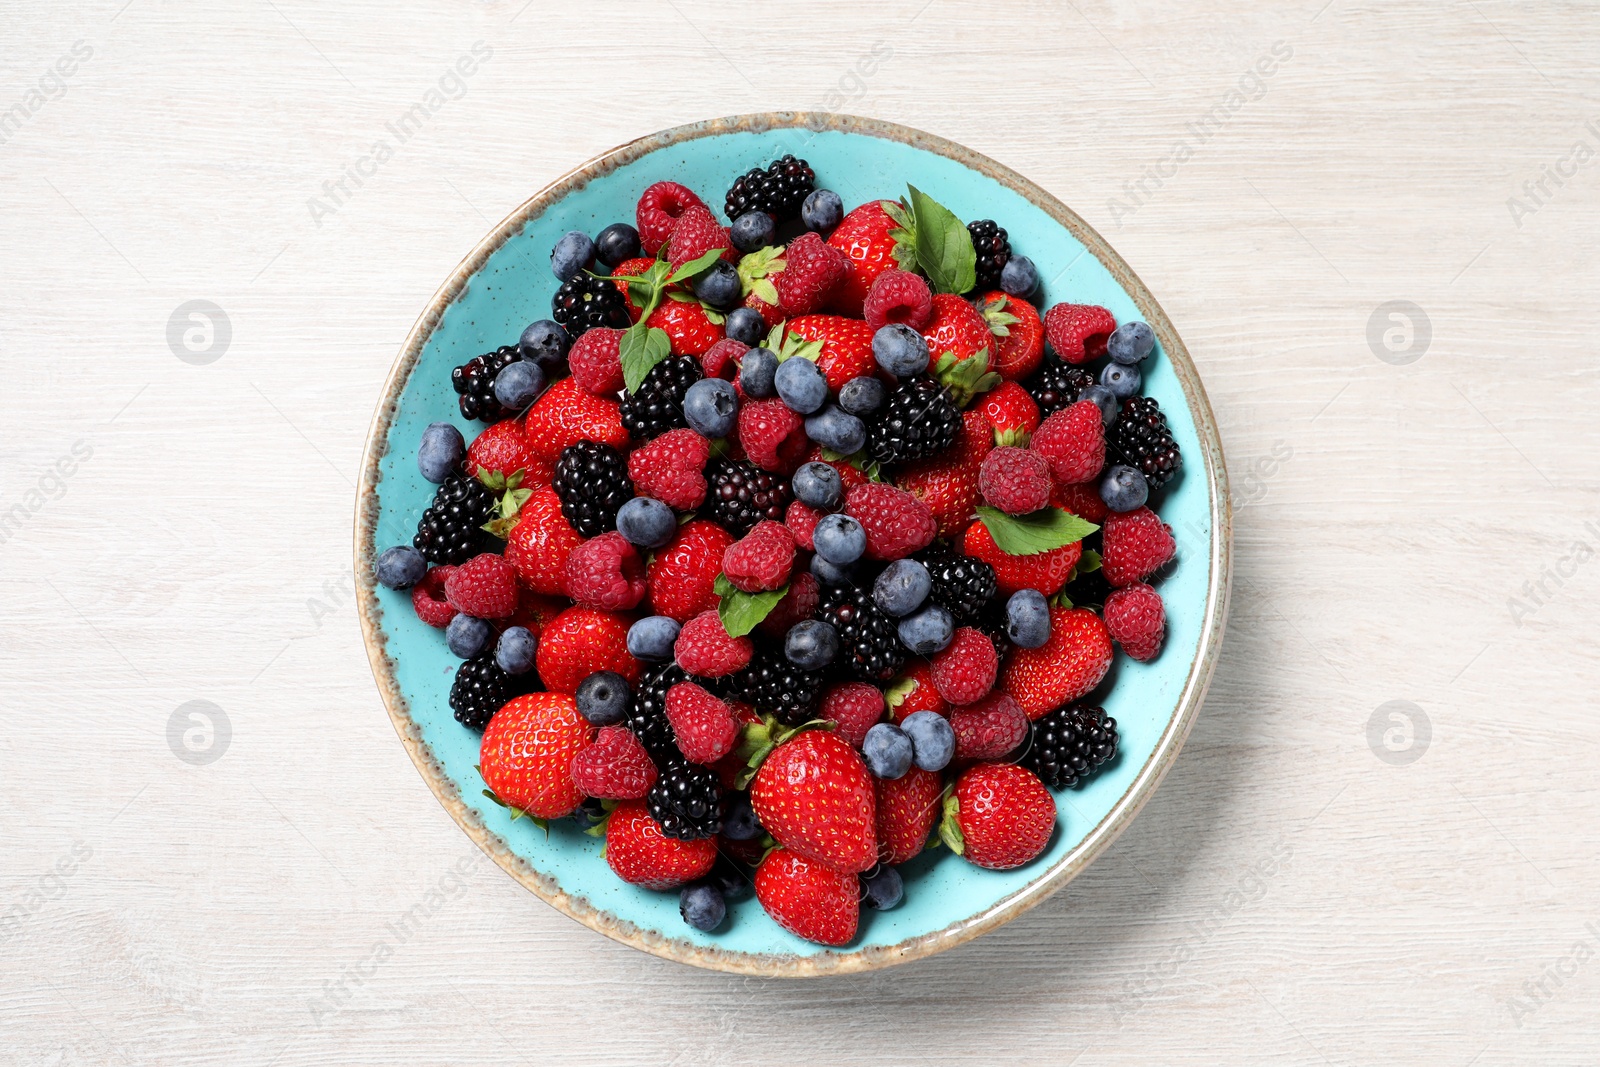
1090	562
713	316
741	611
696	265
723	587
944	247
642	348
1029	535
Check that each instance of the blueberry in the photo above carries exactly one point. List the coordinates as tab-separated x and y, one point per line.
739	822
818	485
439	455
801	385
515	650
717	285
710	407
603	698
902	587
822	211
752	231
1104	400
1028	618
702	906
883	890
646	522
900	350
1019	276
933	742
728	876
616	243
545	343
519	384
887	751
928	631
839	539
811	645
758	371
835	428
652	637
402	566
467	636
1124	488
1130	343
831	573
1122	380
746	326
571	254
862	396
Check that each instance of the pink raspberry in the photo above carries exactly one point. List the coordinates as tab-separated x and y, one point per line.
721	360
671	468
702	725
428	598
1015	480
802	522
606	572
989	728
1078	332
799	603
853	707
896	523
898	296
596	361
615	766
774	438
484	587
762	559
1074	441
1136	619
704	647
1133	545
659	209
695	233
964	672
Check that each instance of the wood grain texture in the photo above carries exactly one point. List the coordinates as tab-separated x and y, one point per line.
1287	897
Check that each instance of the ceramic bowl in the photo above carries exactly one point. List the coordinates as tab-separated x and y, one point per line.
506	282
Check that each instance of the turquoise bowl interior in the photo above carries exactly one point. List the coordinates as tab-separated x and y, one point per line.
506	283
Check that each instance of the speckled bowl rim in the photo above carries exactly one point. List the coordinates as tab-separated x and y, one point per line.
865	958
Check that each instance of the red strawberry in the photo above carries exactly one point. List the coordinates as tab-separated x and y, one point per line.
898	296
615	767
535	611
1045	571
802	519
702	725
1136	620
428	598
914	691
1074	441
990	728
808	899
1012	412
688	329
1015	480
503	448
721	360
527	751
596	361
799	603
1018	345
872	243
566	414
814	795
948	483
631	268
484	587
540	543
659	210
1078	332
642	855
579	642
606	572
762	559
853	707
956	328
704	648
1134	545
671	468
809	272
965	671
696	232
896	523
773	437
846	345
1082	499
1065	667
908	807
1005	815
682	575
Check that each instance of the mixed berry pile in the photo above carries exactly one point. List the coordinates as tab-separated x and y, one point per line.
795	546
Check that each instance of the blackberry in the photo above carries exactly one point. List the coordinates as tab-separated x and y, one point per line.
648	719
1057	384
777	687
1088	589
962	585
592	481
686	800
991	622
989	242
869	643
1069	743
586	301
1140	435
451	530
481	688
741	494
657	405
779	189
919	420
473	382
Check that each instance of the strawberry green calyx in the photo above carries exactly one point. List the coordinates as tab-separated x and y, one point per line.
904	234
999	319
950	824
516	812
757	740
513	496
756	270
965	378
785	345
896	694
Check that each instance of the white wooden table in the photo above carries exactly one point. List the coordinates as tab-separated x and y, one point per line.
1419	515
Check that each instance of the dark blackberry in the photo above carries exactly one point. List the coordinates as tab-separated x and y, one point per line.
648	719
920	419
741	494
962	585
777	687
473	381
451	529
989	242
1088	588
481	688
991	622
586	301
592	481
869	643
1069	743
1141	438
657	405
779	189
686	799
1057	384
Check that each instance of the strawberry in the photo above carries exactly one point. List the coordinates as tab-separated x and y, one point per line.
814	795
527	751
671	468
641	855
606	572
484	587
872	243
540	542
1045	571
1136	620
1018	344
956	328
631	268
799	603
1003	815
948	483
1012	412
808	899
896	523
990	728
428	598
853	707
914	691
788	281
688	329
694	234
566	414
535	611
702	725
658	212
596	361
1078	332
615	767
705	648
1065	667
682	576
907	808
846	345
1082	499
898	296
1074	441
503	449
761	560
1015	480
579	642
964	671
773	437
1134	545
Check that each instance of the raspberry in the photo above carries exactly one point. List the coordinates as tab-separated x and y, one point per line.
503	448
854	707
802	522
772	436
682	576
761	560
964	672
898	296
606	572
695	233
428	597
1133	545
484	587
896	523
1074	441
1078	332
615	766
658	212
1137	620
799	603
579	642
705	649
1082	499
1015	480
989	728
721	360
812	269
596	361
914	691
671	468
702	725
540	543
